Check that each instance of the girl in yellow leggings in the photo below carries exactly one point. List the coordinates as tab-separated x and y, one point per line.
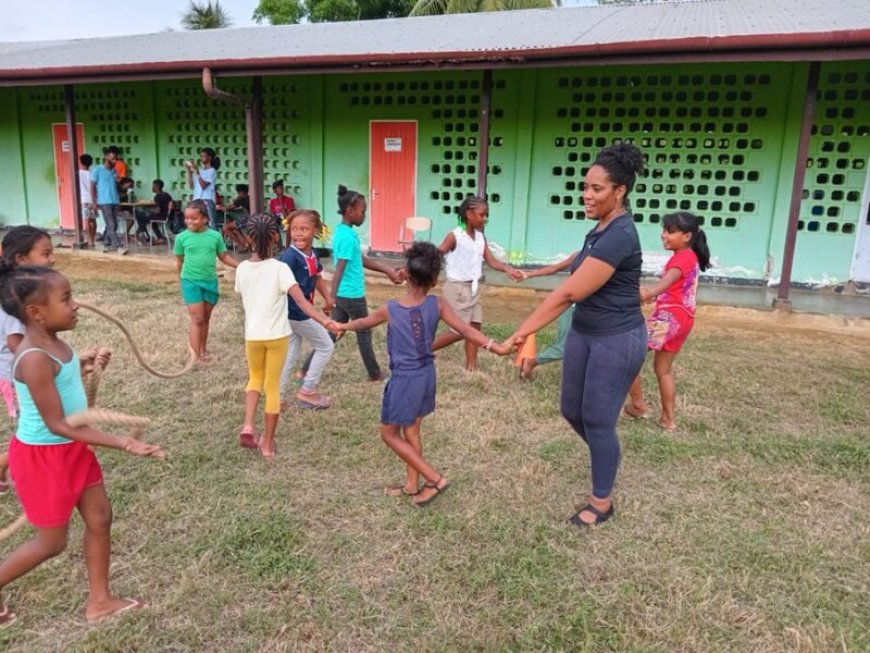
264	283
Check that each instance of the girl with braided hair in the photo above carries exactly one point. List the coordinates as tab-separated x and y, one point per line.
264	284
50	460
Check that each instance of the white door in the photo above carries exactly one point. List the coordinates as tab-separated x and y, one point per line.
861	262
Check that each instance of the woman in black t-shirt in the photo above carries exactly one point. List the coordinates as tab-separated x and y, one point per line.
606	346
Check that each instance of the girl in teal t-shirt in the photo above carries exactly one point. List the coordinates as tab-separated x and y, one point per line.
348	281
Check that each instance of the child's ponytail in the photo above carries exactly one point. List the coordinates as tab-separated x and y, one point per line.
688	223
702	251
346	199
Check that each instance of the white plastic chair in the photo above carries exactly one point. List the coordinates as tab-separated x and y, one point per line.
416	224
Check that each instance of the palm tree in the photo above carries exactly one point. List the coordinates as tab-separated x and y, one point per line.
205	15
435	7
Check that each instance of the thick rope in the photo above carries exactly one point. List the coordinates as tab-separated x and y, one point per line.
163	375
98	359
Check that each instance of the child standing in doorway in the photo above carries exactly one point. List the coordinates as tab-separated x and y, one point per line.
348	282
54	468
303	227
465	250
674	314
196	250
409	395
264	283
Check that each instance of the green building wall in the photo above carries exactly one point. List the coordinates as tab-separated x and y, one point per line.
720	139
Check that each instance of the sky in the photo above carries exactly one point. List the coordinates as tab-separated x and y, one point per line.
48	20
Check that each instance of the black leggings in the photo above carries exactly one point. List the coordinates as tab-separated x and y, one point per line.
352	309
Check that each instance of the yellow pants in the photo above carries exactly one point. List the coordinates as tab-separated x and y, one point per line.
265	363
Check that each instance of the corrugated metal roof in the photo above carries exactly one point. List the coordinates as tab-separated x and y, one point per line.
686	28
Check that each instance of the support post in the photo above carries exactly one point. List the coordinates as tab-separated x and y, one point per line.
483	144
782	301
69	101
254	123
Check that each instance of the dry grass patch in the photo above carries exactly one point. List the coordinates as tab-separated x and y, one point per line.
745	531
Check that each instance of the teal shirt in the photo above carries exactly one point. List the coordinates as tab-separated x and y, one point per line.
200	250
70	389
346	247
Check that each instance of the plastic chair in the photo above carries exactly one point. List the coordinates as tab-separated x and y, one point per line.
416	224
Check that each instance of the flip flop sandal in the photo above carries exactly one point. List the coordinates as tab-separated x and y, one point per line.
600	517
270	454
322	402
132	604
400	491
635	415
7	617
438	492
248	439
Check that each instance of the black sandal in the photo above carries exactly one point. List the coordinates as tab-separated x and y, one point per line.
400	491
600	517
438	491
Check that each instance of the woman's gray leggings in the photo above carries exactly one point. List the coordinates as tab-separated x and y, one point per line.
596	374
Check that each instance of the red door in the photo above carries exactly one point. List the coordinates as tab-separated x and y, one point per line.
62	154
393	181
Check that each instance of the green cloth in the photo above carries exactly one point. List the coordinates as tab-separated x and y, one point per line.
197	292
200	250
346	247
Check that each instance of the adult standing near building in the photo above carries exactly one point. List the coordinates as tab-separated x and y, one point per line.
202	179
120	165
104	193
606	346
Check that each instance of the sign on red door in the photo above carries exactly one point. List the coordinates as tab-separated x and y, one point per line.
393	175
62	156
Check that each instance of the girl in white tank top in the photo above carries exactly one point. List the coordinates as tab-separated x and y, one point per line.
465	251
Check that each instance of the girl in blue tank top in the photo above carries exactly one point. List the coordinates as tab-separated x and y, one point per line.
410	393
51	462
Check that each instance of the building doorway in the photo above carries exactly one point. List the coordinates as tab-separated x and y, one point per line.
392	181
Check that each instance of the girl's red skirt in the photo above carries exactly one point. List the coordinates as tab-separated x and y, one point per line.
50	478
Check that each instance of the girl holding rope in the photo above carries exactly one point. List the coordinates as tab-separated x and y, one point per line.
23	245
50	460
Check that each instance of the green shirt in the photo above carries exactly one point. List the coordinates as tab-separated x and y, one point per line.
200	250
346	247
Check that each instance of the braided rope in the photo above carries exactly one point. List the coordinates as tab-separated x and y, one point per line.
114	320
97	360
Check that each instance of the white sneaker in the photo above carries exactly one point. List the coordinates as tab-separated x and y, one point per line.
122	251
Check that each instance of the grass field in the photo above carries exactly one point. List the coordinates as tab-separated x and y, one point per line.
745	531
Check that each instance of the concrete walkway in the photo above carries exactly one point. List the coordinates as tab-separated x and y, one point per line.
822	302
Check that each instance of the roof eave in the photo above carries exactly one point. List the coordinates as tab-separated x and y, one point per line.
847	44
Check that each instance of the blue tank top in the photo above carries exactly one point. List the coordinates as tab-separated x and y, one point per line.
68	382
410	334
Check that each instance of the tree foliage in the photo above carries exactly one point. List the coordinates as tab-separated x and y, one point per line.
279	12
285	12
205	15
436	7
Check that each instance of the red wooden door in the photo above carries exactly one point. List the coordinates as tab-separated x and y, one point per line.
393	181
62	154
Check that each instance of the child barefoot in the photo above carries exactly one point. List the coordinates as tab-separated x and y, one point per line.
674	314
264	283
410	393
24	245
465	250
51	462
303	227
196	250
